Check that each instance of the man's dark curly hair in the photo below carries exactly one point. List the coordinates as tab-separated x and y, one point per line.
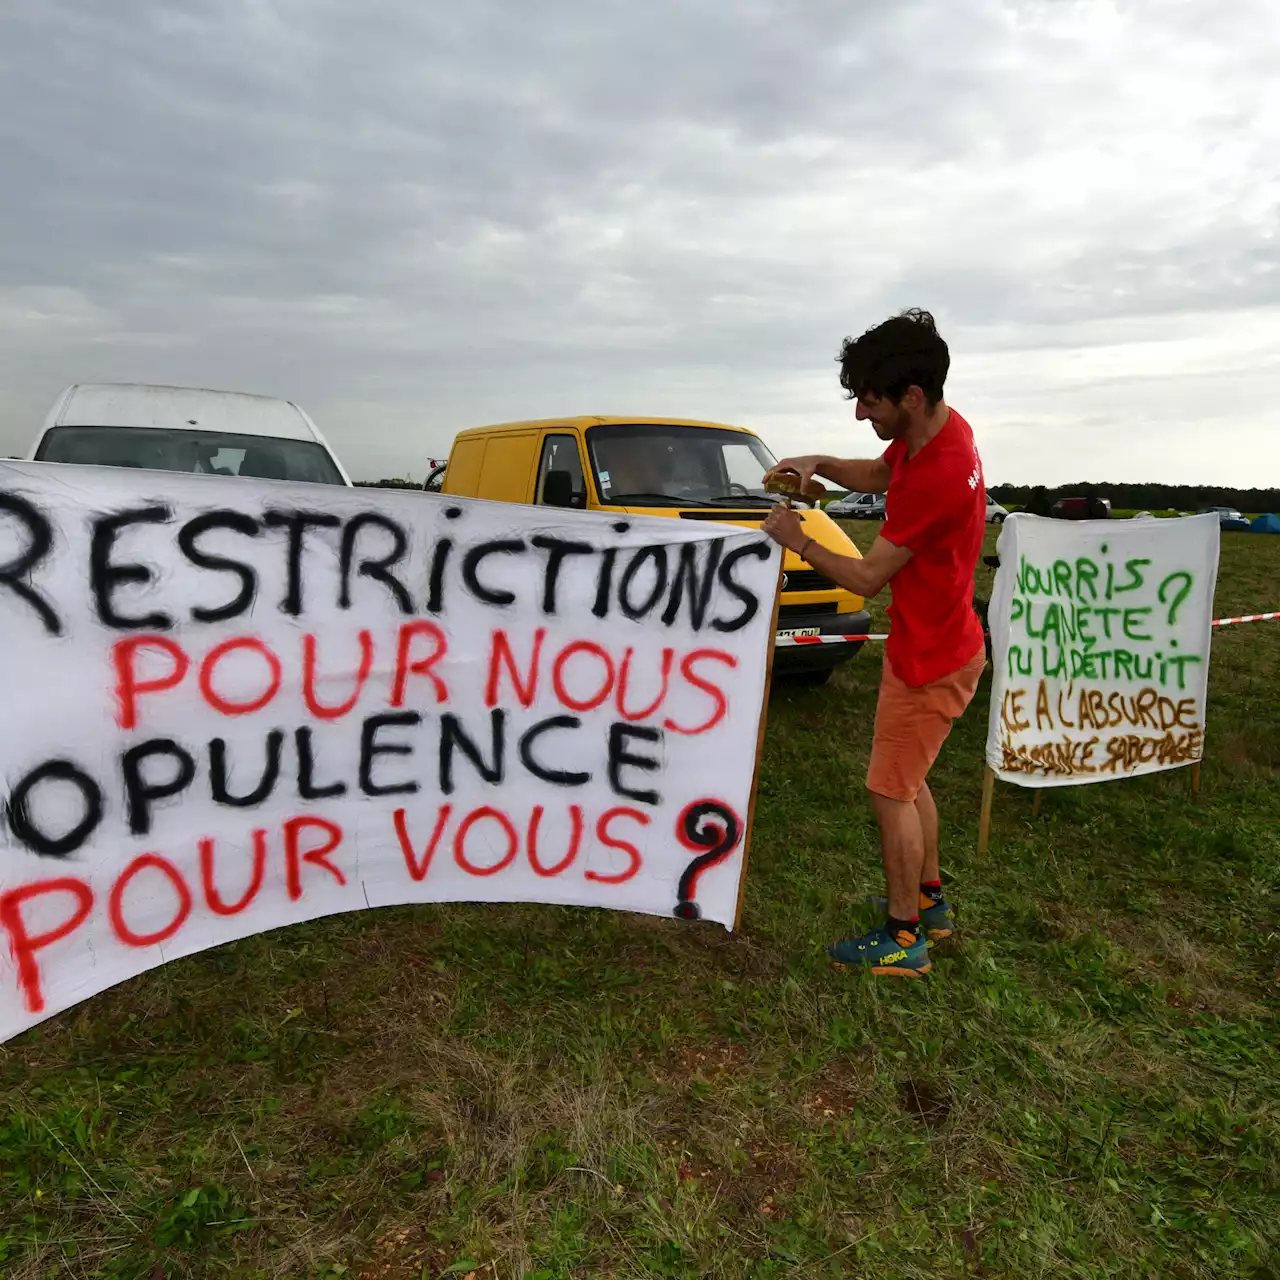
903	352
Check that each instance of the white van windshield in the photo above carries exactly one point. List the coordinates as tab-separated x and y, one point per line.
660	465
199	452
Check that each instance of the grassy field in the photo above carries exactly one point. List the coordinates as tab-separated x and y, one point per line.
1087	1085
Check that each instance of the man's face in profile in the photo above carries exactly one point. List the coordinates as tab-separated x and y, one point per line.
888	420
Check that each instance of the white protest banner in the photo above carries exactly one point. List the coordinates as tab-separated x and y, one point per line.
1100	635
234	705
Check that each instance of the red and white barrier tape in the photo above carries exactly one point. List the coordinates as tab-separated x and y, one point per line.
1248	617
798	640
788	641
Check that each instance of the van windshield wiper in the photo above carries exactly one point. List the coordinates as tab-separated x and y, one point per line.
739	500
659	499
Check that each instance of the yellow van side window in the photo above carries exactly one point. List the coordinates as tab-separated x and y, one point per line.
560	479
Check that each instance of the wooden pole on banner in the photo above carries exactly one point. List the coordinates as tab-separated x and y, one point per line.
988	793
764	716
984	822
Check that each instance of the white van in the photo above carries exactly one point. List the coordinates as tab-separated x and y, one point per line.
223	433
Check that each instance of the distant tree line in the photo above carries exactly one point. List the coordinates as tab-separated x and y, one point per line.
1141	497
390	484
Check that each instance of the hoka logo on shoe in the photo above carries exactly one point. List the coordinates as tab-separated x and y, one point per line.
895	956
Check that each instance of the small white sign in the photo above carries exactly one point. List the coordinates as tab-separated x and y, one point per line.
1100	635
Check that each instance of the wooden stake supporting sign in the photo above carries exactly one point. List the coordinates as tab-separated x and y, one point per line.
988	798
984	821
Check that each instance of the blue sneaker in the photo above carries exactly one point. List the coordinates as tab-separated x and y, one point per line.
936	922
901	955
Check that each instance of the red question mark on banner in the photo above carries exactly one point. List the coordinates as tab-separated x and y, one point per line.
712	829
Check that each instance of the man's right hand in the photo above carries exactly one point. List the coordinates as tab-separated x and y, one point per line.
857	475
804	467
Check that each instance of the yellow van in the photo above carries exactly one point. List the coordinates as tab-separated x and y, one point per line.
684	469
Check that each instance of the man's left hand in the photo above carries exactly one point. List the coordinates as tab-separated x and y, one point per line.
785	527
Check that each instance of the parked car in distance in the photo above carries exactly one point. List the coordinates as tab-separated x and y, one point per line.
841	508
188	429
858	506
1094	508
995	512
1228	517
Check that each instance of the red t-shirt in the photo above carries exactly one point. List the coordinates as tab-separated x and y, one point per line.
936	507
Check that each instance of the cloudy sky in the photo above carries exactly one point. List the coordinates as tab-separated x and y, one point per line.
413	216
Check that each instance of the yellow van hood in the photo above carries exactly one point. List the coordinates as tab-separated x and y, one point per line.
817	525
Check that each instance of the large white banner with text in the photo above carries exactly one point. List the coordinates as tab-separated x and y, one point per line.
1100	635
234	705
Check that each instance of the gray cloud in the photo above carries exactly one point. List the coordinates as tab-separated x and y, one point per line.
412	217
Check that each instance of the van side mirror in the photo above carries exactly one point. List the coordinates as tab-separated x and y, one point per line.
557	489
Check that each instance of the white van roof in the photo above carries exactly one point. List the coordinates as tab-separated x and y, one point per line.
122	404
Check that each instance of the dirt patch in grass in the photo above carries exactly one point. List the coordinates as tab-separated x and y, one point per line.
837	1091
687	1062
405	1254
925	1101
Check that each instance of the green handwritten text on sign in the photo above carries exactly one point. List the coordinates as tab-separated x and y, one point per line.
1100	634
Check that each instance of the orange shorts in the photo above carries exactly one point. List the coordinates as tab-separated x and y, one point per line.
912	724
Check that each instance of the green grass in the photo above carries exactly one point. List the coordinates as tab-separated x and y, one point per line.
1087	1085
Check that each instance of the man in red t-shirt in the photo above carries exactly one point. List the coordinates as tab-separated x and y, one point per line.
935	512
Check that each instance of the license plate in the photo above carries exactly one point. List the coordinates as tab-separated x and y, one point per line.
800	631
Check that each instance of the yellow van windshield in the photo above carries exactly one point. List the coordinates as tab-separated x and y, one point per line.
657	465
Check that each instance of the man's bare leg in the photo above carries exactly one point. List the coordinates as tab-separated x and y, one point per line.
939	924
928	812
902	951
902	846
